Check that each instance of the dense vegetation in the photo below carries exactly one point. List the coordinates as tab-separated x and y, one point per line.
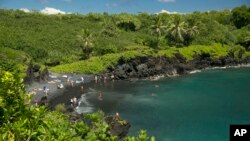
20	121
91	43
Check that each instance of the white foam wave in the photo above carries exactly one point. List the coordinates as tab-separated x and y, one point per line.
225	67
194	71
84	106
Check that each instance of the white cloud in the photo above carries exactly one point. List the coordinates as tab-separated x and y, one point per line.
165	1
25	10
49	10
168	12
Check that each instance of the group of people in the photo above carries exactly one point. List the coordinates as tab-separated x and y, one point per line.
112	77
73	101
72	82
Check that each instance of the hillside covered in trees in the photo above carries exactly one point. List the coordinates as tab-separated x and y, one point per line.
94	43
91	43
53	40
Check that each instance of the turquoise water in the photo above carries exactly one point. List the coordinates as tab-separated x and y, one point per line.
195	107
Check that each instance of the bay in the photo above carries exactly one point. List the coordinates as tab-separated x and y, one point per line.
194	107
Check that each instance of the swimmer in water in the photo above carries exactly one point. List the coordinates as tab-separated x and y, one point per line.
153	94
100	96
72	83
117	116
82	89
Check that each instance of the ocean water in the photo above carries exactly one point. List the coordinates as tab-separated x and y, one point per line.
194	107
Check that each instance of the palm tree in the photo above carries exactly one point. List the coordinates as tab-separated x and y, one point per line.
86	40
191	30
109	28
158	26
177	29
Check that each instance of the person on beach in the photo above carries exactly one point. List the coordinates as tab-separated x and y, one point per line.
72	83
68	80
60	86
96	79
75	101
82	79
104	79
117	116
33	92
82	88
45	90
112	77
71	102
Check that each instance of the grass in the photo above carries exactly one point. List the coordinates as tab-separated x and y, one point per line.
215	51
13	60
93	65
170	52
15	55
247	54
99	64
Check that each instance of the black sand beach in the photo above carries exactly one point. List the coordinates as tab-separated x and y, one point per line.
59	95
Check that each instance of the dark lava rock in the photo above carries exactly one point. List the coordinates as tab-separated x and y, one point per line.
117	126
34	73
142	67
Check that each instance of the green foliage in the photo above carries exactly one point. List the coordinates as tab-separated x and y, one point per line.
246	54
242	36
93	65
13	60
158	26
241	16
170	52
11	95
51	40
128	22
20	121
60	108
96	65
142	136
215	51
40	36
86	42
177	30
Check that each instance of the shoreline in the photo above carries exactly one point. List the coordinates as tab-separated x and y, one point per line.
160	76
57	96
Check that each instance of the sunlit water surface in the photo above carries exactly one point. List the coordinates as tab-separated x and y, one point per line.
195	107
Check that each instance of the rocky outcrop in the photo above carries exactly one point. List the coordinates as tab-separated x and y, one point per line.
143	67
117	126
35	73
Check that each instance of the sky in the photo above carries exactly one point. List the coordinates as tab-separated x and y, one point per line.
118	6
